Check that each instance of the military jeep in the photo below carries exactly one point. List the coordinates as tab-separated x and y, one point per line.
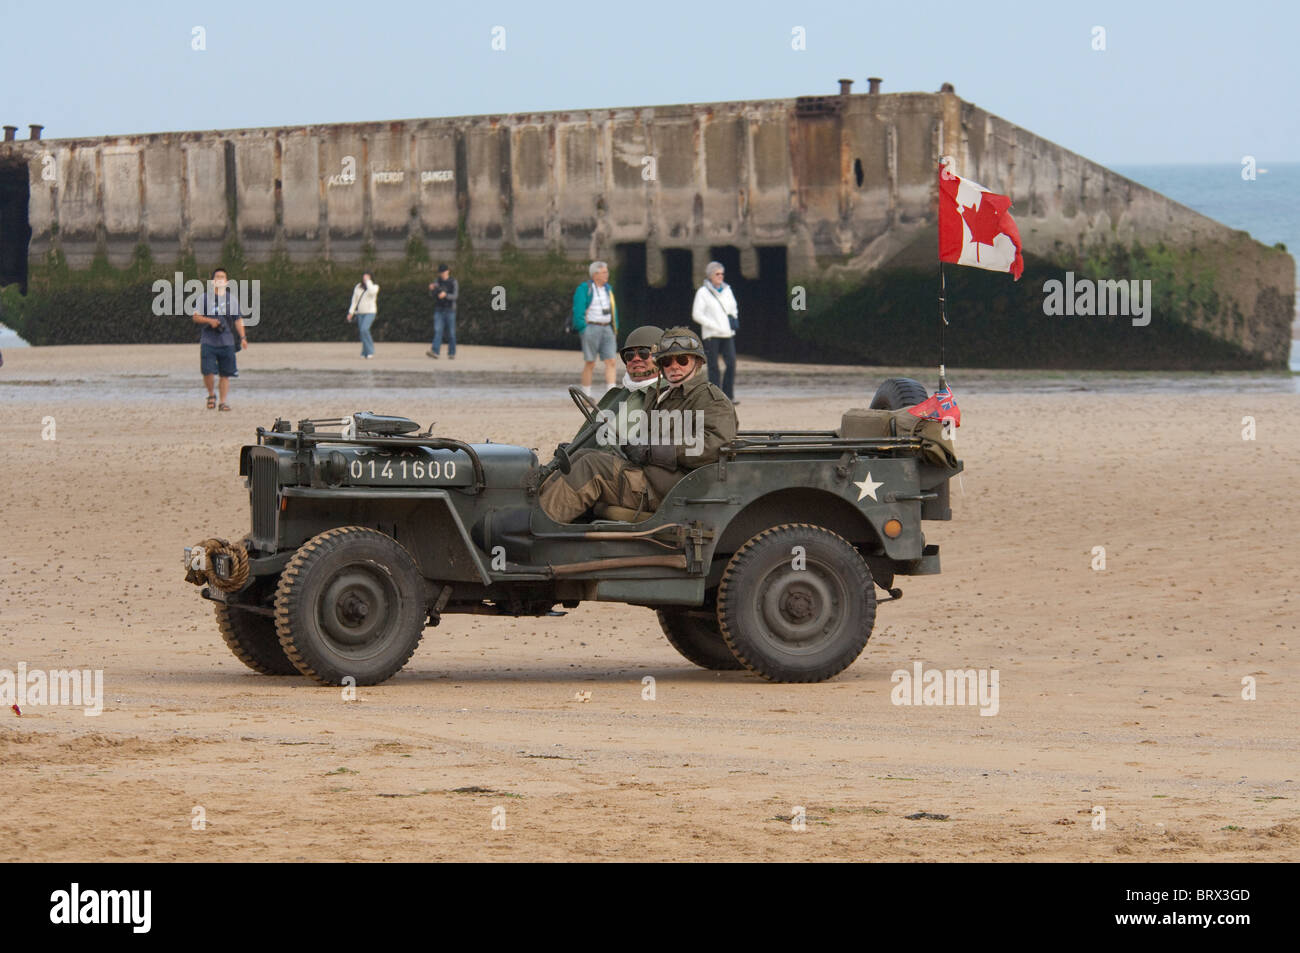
366	531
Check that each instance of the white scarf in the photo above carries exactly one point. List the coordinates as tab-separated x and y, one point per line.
638	385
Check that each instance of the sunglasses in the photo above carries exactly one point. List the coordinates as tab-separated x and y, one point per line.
666	343
683	359
643	353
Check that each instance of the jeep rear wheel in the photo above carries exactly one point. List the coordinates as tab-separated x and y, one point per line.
796	603
695	634
253	640
350	603
897	393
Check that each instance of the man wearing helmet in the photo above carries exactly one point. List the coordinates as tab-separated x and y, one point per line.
645	472
639	378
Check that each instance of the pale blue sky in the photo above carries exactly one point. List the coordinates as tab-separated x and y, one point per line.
1178	82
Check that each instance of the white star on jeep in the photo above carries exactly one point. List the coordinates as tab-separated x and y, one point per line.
868	487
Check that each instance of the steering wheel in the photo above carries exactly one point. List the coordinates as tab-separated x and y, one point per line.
592	412
585	404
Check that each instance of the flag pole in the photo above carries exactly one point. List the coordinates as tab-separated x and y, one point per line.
944	162
943	324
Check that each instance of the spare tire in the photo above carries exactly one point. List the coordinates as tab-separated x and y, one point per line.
897	393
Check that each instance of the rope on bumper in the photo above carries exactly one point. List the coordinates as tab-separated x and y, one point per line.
238	565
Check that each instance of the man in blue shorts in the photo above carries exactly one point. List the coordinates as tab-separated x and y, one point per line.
221	336
595	318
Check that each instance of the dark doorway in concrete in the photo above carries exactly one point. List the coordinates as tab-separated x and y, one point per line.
638	303
15	232
764	308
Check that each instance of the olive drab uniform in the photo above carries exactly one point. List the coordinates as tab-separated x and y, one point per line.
604	477
635	399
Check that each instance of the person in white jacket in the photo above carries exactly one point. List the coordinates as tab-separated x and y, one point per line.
716	312
365	304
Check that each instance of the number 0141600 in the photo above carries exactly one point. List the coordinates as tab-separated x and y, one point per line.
403	470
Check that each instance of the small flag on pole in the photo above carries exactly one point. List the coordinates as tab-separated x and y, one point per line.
975	227
942	406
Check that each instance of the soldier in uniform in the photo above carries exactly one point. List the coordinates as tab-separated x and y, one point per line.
639	378
641	481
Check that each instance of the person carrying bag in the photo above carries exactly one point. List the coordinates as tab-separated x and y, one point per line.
716	312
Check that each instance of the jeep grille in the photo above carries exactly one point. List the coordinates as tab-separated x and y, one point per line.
264	484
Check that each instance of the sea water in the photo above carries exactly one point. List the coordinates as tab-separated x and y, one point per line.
1267	205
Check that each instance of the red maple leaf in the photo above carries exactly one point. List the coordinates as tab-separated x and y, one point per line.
982	222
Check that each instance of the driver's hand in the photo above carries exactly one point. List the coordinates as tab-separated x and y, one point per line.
636	453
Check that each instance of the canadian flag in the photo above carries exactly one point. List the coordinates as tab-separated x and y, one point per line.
975	227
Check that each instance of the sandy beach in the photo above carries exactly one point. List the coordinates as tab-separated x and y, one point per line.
1121	690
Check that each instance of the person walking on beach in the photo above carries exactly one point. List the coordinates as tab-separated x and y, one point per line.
716	312
221	335
365	305
444	292
595	318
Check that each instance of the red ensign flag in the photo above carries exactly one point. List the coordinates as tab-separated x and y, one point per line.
975	227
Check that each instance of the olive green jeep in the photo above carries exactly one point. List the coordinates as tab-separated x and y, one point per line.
365	531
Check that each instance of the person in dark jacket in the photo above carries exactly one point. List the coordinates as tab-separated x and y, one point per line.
444	293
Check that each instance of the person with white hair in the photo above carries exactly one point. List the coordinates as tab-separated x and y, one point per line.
595	318
716	312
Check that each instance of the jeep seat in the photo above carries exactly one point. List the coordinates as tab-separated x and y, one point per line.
623	514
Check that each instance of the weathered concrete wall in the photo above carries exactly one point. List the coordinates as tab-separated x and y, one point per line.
846	183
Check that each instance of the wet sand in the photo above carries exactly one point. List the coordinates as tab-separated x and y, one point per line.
1119	689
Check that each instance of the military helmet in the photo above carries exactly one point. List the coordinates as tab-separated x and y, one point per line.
680	341
647	336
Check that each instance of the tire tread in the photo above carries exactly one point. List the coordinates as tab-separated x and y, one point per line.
688	650
271	661
737	563
286	600
899	393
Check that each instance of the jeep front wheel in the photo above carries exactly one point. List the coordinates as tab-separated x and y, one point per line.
695	634
253	640
796	603
350	603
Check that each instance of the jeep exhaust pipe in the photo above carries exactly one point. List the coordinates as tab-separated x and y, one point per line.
619	562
